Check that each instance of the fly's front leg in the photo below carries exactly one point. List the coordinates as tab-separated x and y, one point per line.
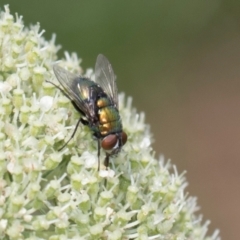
108	155
106	160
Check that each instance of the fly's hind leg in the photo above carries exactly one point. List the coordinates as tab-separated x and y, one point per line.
75	130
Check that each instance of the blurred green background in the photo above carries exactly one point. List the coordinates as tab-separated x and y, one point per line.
180	60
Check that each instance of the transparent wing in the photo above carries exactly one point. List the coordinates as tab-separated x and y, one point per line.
71	84
105	77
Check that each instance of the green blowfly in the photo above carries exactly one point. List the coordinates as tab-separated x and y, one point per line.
97	102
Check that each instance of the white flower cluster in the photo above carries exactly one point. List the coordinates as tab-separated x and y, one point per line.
47	194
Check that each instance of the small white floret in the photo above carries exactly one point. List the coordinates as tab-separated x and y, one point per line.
46	103
108	173
5	87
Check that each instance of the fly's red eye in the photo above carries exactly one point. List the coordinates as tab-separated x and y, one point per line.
124	138
109	142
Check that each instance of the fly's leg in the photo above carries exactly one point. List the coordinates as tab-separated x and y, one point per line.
106	164
62	91
73	103
108	155
106	160
75	130
115	151
98	154
84	122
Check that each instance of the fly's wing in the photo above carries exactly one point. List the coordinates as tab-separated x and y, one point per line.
105	77
71	84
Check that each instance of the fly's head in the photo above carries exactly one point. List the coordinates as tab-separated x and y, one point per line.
114	142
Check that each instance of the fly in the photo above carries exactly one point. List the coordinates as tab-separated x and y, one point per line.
97	102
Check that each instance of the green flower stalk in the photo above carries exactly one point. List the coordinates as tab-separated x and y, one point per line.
61	195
